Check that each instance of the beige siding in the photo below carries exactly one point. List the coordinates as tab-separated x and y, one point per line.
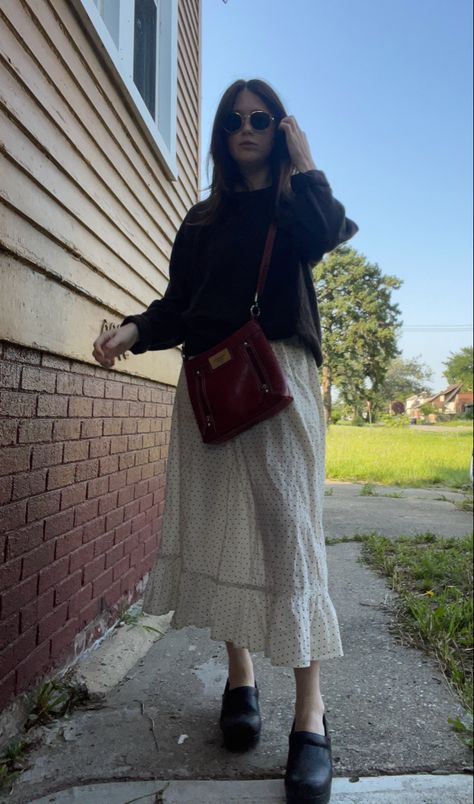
88	215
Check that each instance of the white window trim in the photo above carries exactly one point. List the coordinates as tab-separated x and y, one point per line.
161	135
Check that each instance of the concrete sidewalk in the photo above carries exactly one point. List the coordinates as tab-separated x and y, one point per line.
152	734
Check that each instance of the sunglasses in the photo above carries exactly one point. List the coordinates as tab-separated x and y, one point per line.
259	121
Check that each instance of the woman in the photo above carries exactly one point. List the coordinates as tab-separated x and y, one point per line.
242	548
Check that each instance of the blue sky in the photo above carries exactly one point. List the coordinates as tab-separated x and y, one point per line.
383	90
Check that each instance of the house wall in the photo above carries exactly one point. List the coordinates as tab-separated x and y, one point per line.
87	221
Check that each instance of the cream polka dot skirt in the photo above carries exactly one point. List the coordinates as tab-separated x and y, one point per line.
242	548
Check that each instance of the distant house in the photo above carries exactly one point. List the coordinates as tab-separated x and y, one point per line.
451	401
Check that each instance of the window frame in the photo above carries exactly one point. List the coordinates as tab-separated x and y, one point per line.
162	134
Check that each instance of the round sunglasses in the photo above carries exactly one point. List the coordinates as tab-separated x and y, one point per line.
259	121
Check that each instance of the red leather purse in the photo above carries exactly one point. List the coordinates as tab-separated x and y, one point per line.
238	382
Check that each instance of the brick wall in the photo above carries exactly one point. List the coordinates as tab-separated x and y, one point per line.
82	473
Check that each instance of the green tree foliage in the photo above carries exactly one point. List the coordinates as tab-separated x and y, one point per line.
459	367
359	326
403	379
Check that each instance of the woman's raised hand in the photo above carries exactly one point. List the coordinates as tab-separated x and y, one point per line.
297	144
114	342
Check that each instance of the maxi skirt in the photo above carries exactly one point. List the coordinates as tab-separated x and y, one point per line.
242	548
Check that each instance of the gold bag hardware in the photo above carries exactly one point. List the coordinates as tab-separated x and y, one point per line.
220	358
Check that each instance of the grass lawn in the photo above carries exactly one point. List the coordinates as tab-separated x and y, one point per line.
434	579
399	456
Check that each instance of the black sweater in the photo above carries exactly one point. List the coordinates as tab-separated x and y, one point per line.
214	270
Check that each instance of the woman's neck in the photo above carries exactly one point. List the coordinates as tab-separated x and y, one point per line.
257	180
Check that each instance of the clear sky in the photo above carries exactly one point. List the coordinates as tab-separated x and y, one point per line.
383	90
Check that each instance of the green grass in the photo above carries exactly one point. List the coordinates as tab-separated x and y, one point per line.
398	456
433	577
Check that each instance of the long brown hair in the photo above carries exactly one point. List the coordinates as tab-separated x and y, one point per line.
225	173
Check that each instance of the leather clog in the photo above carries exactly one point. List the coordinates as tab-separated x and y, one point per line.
308	774
240	718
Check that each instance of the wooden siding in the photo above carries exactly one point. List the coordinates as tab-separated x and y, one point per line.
87	214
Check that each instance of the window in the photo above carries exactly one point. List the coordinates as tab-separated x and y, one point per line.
140	40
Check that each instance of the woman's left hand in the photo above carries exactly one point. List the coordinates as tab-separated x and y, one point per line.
297	144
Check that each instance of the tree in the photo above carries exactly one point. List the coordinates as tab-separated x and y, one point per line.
459	367
403	379
359	324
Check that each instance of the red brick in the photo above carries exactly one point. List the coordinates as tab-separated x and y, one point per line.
130	543
52	622
9	375
52	575
69	384
93	569
129	426
68	542
46	455
147	471
15	459
160	438
118	444
132	510
73	495
13	516
113	390
9	629
136	555
135	442
137	409
66	430
141	457
14	403
89	612
112	594
10	574
29	484
99	447
128	581
154	453
108	502
98	487
80	557
148	439
130	392
51	405
108	465
123	531
141	489
125	495
121	567
7	690
76	451
86	470
79	600
103	543
113	555
91	428
7	661
102	407
80	407
152	514
34	431
52	361
146	502
94	387
15	598
37	379
85	512
38	608
62	642
6	487
134	475
126	461
93	529
33	667
114	519
8	432
118	480
138	522
34	561
121	409
112	427
144	426
144	393
43	505
59	476
68	587
102	582
58	523
21	541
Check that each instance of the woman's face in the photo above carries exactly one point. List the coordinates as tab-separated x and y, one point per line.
249	148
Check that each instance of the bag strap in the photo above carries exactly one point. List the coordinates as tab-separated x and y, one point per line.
264	265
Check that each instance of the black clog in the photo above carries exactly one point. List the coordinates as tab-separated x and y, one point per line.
308	774
240	719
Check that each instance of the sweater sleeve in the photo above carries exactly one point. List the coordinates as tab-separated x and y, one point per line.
160	326
319	222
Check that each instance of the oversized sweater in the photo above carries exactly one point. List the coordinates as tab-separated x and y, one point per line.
214	270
